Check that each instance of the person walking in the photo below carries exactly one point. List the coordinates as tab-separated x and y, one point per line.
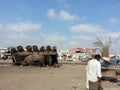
93	73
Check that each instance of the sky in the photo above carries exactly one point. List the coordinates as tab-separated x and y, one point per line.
62	23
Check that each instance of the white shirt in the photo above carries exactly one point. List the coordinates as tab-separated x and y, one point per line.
93	71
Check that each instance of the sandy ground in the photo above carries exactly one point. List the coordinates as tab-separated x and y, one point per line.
66	77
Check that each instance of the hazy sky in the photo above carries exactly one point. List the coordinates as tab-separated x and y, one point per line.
64	23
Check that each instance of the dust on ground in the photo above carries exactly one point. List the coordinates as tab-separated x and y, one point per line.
66	77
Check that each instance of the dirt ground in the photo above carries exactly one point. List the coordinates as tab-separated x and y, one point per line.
66	77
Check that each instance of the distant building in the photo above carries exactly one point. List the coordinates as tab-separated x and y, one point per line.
81	53
82	50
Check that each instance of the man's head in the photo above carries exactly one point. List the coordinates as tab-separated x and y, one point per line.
97	56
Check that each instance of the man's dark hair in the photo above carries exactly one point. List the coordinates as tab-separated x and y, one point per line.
97	56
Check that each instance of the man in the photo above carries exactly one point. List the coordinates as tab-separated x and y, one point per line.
93	72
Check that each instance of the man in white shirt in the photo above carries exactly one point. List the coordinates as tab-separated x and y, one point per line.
93	72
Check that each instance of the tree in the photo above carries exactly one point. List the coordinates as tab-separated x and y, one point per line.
104	47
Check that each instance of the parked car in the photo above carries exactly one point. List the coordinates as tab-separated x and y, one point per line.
6	55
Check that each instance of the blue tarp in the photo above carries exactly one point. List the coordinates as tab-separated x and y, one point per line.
114	61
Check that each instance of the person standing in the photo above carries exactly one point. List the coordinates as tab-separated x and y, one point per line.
93	73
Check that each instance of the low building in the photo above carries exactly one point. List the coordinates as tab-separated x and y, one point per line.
81	53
